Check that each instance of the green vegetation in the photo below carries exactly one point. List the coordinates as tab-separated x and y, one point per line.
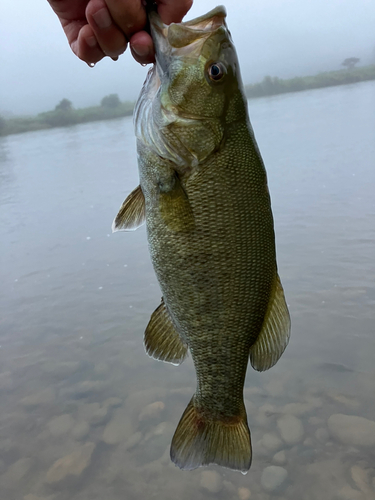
64	115
273	85
110	107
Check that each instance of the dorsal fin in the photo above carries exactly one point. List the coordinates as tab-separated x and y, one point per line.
132	213
275	333
161	339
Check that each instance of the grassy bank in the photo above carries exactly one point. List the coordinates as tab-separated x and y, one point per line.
273	85
111	107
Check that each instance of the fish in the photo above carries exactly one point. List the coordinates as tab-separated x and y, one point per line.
204	197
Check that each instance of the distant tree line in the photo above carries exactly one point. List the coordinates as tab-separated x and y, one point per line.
274	85
65	114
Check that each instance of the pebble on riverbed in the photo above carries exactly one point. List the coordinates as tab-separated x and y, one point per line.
352	430
279	458
151	411
119	428
71	465
211	481
273	478
61	425
291	429
244	494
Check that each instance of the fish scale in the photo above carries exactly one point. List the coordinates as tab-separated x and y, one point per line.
204	197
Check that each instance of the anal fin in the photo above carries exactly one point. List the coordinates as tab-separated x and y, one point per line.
161	339
132	213
275	333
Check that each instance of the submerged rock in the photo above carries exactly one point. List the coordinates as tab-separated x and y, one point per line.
348	493
151	411
291	429
244	494
39	398
271	442
119	428
273	477
352	430
71	465
16	473
361	479
211	481
279	458
60	425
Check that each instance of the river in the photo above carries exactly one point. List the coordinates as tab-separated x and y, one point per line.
85	414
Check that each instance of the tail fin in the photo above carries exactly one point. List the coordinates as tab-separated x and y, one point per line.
201	441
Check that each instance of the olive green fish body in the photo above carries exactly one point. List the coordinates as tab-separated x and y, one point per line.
203	193
216	271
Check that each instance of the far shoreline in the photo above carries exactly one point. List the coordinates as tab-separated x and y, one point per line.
111	107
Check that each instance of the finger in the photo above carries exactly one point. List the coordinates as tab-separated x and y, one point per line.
173	11
142	48
129	15
86	46
111	39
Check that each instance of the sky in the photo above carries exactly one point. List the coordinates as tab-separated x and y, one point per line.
283	38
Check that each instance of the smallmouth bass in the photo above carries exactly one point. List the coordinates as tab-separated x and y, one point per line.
204	197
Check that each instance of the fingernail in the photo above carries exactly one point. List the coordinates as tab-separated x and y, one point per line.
91	41
102	18
141	50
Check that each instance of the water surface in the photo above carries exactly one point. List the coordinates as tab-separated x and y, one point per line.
75	384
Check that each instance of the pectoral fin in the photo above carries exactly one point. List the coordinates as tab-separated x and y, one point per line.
161	339
132	213
175	207
275	333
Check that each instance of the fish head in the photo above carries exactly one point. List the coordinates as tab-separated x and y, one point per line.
193	90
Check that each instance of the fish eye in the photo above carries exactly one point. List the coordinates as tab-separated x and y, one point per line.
216	71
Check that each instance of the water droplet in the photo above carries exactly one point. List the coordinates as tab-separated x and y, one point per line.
143	65
88	238
92	65
100	288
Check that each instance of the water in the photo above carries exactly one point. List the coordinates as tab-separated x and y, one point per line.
75	299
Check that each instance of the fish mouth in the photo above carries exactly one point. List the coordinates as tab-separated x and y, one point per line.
187	38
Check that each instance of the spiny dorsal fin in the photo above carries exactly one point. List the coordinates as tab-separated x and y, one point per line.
132	213
161	339
275	333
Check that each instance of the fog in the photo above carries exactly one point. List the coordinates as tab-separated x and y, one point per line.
283	38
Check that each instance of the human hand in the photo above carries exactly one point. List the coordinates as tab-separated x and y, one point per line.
99	28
